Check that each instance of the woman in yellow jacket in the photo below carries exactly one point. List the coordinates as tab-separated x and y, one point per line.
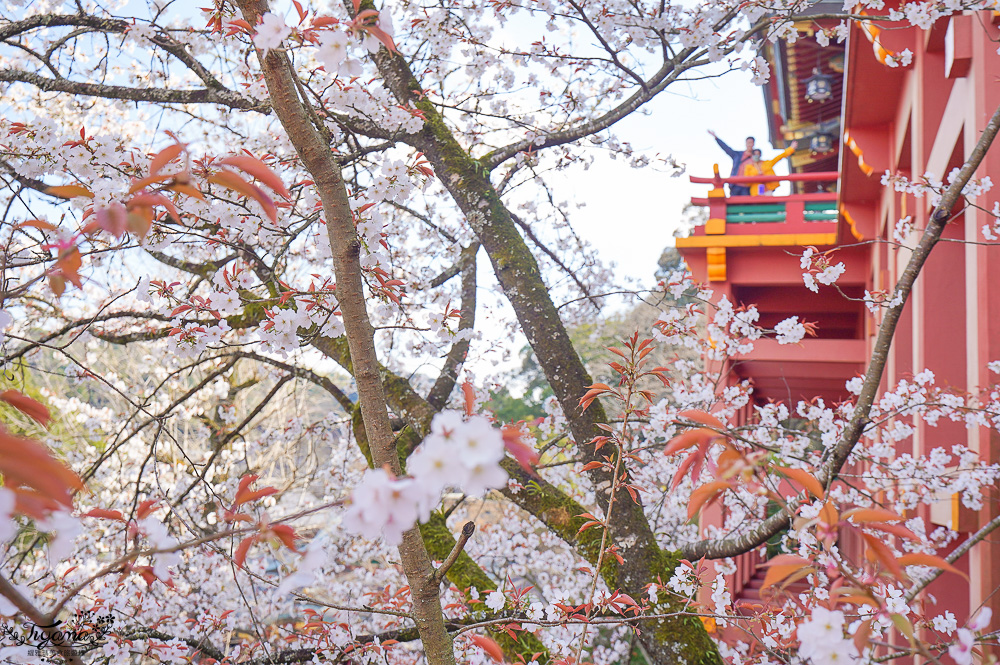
757	166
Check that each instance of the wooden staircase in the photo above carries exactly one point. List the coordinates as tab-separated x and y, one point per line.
748	580
750	594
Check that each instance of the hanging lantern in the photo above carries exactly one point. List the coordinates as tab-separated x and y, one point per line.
819	86
821	143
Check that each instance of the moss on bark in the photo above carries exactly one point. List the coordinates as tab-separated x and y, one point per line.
466	574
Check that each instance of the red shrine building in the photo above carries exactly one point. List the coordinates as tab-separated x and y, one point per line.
922	116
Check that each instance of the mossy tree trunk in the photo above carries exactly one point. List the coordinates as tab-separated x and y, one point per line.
468	182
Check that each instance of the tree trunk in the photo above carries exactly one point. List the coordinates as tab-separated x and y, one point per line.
325	172
674	639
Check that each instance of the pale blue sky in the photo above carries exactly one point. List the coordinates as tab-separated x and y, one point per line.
631	213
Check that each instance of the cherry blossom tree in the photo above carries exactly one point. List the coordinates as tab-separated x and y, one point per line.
241	266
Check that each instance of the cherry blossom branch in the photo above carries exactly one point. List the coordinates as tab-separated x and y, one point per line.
302	373
607	47
208	539
595	621
438	395
41	620
214	91
219	445
954	556
669	72
613	493
155	418
151	95
572	274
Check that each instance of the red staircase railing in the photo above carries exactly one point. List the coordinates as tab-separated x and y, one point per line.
746	567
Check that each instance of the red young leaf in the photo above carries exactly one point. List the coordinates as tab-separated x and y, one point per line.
37	224
151	200
383	36
704	494
142	183
113	219
69	191
918	559
683	469
245	483
470	398
689	438
804	478
894	529
164	157
26	405
488	645
185	188
145	508
140	219
828	514
104	513
782	566
240	556
525	454
31	503
702	417
230	180
877	550
27	463
592	393
259	170
286	535
69	264
245	495
865	515
57	284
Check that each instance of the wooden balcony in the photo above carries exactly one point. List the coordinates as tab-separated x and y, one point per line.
762	221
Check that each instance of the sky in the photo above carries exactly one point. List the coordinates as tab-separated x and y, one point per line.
624	204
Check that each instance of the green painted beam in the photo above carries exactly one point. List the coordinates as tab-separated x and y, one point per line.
761	217
756	207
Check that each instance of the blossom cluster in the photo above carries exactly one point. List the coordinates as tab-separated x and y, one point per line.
934	188
819	269
459	453
822	641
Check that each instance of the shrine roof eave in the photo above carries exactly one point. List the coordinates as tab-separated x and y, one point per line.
867	120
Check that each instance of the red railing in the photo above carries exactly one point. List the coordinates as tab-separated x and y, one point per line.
753	215
717	180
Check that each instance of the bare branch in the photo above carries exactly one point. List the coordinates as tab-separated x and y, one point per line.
463	538
150	95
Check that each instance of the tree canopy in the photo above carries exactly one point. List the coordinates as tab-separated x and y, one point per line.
245	257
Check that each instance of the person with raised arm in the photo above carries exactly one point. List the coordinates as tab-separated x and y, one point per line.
757	166
740	159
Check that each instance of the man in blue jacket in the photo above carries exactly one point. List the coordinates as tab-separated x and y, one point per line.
739	161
